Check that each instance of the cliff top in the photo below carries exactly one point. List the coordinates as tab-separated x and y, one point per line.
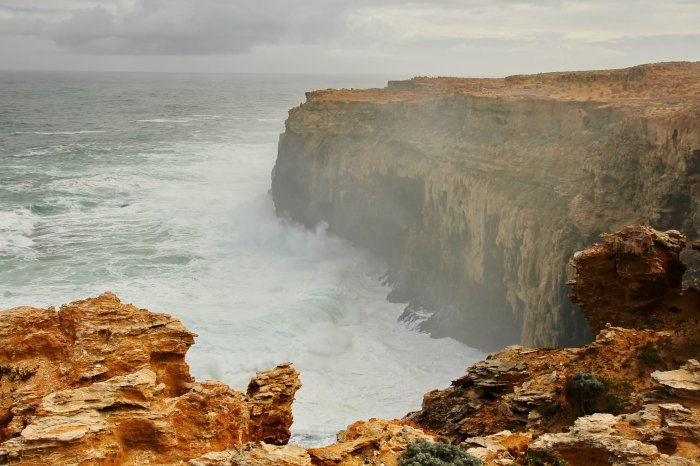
669	86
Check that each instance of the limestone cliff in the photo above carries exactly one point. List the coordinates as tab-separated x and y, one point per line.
477	199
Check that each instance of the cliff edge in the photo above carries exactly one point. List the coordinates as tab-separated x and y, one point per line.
477	196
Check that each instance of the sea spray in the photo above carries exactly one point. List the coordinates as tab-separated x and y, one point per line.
156	188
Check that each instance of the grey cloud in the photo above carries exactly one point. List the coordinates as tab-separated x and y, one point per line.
175	27
415	31
190	27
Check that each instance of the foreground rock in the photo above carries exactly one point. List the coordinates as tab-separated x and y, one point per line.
374	442
101	382
647	407
634	279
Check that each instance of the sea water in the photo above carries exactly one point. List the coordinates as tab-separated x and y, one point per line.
156	187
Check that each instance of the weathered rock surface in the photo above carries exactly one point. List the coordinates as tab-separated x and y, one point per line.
374	442
101	382
634	278
649	412
522	390
477	200
684	382
256	454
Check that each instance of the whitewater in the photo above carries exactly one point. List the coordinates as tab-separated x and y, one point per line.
156	187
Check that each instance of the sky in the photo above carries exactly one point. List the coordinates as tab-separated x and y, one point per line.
388	37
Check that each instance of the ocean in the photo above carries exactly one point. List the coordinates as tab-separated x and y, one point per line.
156	187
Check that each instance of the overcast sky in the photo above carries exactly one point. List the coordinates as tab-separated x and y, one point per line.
439	37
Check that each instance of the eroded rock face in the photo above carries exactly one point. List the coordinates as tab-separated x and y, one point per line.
523	390
684	382
634	279
101	382
477	200
374	442
647	407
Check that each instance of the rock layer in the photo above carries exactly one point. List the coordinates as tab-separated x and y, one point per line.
101	382
478	199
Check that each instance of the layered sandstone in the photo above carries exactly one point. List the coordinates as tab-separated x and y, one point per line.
477	200
101	382
374	442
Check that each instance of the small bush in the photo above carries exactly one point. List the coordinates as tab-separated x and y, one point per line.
423	453
589	394
582	390
616	396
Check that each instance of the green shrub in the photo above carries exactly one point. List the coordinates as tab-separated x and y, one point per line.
423	453
589	394
583	390
616	396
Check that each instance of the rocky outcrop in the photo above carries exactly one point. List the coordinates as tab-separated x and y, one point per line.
523	390
477	200
101	382
634	278
645	408
373	442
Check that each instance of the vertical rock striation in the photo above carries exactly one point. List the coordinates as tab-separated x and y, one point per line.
476	200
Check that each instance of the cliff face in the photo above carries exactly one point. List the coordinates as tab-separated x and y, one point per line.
478	199
101	382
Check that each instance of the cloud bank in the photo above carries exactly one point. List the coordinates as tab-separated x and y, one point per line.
332	35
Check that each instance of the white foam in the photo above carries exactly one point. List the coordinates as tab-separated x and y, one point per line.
68	133
15	230
192	118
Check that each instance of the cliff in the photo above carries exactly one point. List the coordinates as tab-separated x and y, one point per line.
477	199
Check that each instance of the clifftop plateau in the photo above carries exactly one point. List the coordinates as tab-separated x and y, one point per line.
477	198
649	87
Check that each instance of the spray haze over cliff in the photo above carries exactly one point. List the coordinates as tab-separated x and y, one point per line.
477	192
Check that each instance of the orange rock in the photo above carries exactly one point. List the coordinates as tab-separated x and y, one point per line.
634	280
101	382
